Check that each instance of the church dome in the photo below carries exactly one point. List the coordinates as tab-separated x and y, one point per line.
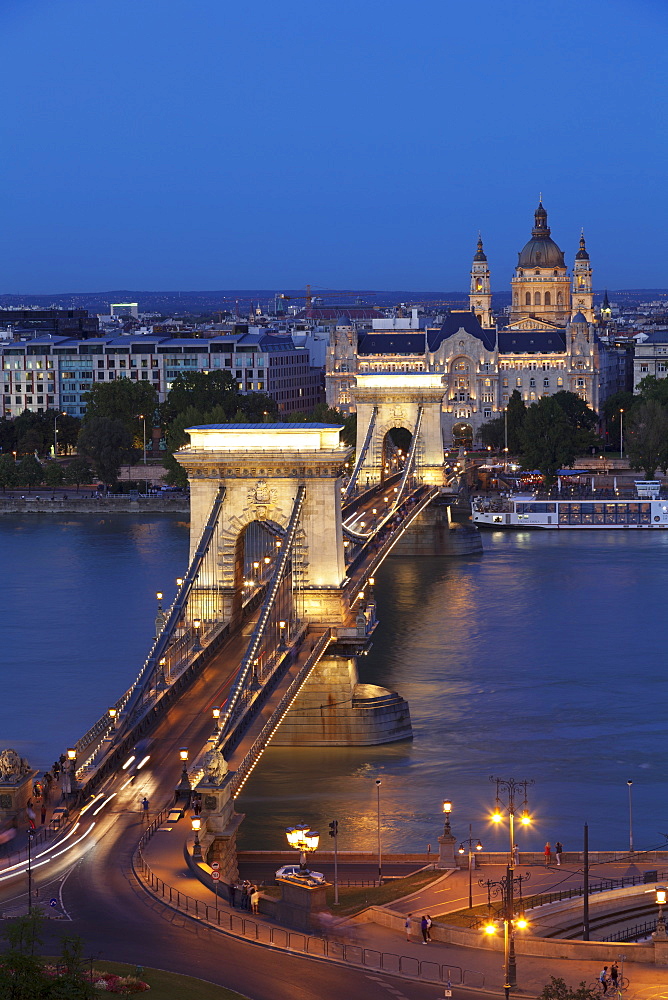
582	252
541	250
480	255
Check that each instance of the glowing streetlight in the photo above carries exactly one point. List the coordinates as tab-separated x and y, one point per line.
301	838
197	624
196	824
113	712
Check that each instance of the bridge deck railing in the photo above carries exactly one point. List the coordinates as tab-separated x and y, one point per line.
340	946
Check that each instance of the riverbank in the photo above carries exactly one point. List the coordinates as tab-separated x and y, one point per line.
87	504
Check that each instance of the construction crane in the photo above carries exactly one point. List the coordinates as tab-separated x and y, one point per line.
320	295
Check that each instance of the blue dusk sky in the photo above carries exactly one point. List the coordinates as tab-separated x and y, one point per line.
360	144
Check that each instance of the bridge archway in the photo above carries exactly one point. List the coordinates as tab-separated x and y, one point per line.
396	446
462	435
391	400
254	557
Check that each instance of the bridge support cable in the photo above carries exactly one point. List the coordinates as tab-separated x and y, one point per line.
269	630
411	457
165	641
359	462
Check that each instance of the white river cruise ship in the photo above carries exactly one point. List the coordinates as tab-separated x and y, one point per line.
525	510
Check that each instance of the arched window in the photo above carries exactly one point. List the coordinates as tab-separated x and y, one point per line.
548	299
527	299
536	298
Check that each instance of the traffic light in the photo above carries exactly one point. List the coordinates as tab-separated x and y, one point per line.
334	828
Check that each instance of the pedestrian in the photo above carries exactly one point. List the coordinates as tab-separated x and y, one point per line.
558	851
144	808
30	813
197	808
516	855
244	895
233	894
407	926
429	923
603	979
424	927
614	975
255	899
548	854
43	814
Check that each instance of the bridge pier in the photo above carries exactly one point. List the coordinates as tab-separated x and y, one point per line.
220	822
334	709
433	533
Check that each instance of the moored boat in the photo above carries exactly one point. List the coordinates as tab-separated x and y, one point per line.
526	510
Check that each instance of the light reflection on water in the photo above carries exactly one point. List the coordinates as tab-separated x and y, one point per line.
544	658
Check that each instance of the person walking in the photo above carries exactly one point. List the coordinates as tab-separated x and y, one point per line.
255	899
424	927
407	926
516	855
558	851
548	854
603	979
614	975
429	923
144	809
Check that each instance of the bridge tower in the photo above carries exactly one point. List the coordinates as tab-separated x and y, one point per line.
261	467
410	400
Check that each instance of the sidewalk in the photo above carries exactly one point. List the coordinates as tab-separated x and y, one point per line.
165	855
16	850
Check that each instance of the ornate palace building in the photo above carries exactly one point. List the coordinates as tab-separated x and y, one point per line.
549	342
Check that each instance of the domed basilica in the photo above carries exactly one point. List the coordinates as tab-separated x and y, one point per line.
547	343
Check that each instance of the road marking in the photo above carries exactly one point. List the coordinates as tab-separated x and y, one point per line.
386	986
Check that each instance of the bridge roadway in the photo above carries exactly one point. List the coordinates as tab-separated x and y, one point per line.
99	896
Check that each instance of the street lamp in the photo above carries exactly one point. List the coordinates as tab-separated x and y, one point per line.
113	712
196	824
510	787
380	846
142	417
661	902
197	624
55	433
504	888
281	632
621	433
630	784
216	720
447	810
31	836
304	840
478	847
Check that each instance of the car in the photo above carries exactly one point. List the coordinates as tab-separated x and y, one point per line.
294	871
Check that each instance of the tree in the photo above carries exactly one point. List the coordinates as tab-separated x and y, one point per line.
176	438
78	472
8	472
202	391
491	433
30	472
107	443
557	989
647	438
53	475
582	419
7	435
516	414
257	407
21	975
122	400
548	439
654	388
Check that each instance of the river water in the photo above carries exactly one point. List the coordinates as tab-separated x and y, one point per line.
544	658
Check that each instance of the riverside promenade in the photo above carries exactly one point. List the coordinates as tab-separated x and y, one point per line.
376	940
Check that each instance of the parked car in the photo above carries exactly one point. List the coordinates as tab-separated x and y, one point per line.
294	871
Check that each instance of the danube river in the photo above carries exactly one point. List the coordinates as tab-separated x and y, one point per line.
544	658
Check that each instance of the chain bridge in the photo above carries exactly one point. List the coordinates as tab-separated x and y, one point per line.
277	604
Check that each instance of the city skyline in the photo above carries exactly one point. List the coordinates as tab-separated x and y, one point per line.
264	148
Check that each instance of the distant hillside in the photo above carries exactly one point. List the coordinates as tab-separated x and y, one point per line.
209	303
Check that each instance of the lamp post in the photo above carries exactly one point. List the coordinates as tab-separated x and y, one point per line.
504	888
113	712
196	824
160	617
630	784
281	632
142	417
447	809
304	840
510	787
621	433
197	624
216	720
380	845
183	789
72	768
661	902
478	847
31	835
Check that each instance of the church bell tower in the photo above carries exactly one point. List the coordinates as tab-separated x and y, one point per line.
583	294
480	298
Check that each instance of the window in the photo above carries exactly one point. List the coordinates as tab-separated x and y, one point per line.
581	383
560	382
505	383
644	368
546	383
487	414
518	381
527	299
532	383
536	298
548	299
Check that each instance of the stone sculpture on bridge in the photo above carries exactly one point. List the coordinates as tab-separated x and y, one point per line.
215	767
13	767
